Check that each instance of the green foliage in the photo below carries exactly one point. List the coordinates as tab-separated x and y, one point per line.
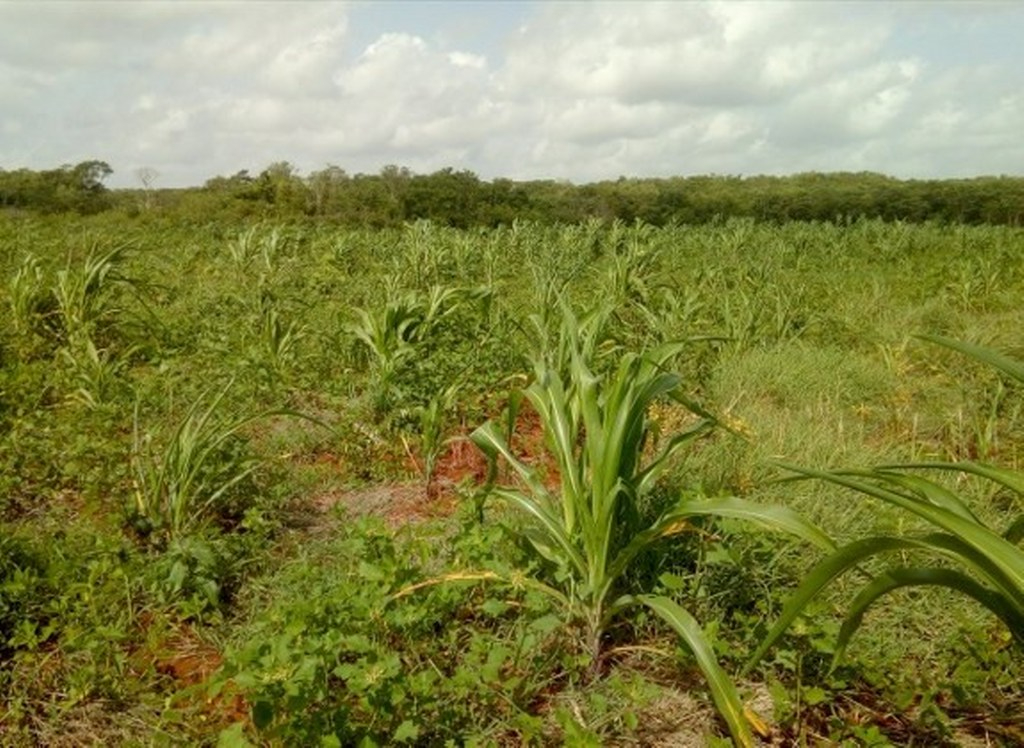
432	423
336	659
197	575
23	588
262	246
95	375
50	451
460	199
399	337
76	659
69	188
68	593
26	295
83	294
276	351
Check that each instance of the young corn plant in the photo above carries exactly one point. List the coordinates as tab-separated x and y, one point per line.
179	487
591	527
391	336
629	277
394	335
245	247
432	421
990	560
95	374
258	242
83	300
83	294
278	343
25	295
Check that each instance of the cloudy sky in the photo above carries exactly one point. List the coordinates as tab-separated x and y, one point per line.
567	90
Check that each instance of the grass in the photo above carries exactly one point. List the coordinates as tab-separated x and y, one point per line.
990	560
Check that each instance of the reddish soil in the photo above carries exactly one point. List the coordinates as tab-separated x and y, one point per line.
183	657
462	464
530	445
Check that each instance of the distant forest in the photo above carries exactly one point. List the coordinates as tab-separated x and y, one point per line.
461	199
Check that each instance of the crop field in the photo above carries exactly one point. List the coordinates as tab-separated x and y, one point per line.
284	483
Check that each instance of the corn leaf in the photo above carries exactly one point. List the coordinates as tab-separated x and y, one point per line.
823	574
1007	478
723	690
1005	364
893	579
1004	555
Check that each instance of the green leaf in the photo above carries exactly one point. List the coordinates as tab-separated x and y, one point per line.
176	577
492	444
554	531
893	579
262	714
1010	479
1005	364
674	521
547	624
813	695
406	732
820	577
672	582
496	657
371	572
494	607
1015	531
770	517
723	691
233	737
1005	558
932	492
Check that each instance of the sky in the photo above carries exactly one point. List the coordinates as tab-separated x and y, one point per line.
578	91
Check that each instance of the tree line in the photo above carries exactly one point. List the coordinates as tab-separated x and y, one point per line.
461	199
78	188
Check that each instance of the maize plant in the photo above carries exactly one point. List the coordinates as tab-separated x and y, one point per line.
83	293
180	485
25	294
393	335
258	242
591	527
94	372
432	417
278	342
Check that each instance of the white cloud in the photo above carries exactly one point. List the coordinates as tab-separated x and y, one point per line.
402	93
466	60
583	91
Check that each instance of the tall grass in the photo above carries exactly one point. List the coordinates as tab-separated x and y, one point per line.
990	560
